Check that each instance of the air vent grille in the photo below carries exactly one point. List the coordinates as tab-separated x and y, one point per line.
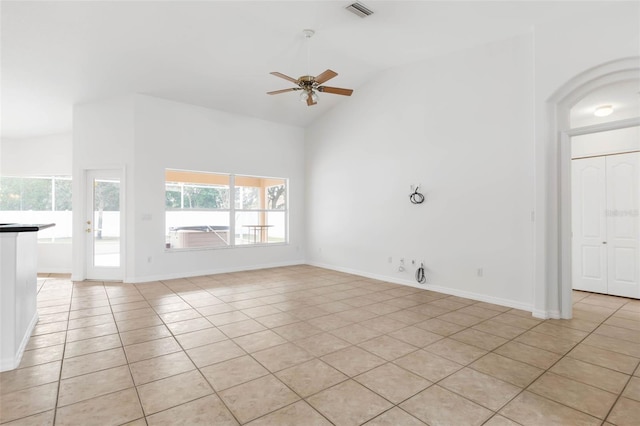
359	9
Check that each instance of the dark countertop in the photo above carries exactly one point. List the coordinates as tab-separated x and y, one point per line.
24	227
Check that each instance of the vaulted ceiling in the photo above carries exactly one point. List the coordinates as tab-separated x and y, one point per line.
219	54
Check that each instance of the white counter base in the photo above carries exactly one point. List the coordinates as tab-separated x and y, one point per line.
18	295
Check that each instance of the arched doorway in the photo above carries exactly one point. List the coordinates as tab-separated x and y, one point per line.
558	260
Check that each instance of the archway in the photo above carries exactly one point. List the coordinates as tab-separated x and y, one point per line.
558	251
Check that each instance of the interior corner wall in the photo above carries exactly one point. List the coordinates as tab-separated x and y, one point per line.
563	50
460	126
48	155
180	136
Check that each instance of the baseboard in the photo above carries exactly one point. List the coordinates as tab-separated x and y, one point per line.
10	364
538	313
177	275
56	271
445	290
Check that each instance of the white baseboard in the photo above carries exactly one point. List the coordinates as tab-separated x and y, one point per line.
177	275
445	290
11	363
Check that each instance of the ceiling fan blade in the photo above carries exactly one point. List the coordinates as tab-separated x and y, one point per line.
286	77
310	101
275	92
325	76
335	90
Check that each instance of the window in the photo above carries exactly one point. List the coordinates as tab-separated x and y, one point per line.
38	200
199	211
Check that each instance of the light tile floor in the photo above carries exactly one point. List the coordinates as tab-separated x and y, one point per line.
307	346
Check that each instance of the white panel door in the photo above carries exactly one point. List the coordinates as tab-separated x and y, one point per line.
623	230
588	185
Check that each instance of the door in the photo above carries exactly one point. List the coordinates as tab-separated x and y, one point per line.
623	220
104	225
589	224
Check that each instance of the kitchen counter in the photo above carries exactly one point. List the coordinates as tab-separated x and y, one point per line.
18	289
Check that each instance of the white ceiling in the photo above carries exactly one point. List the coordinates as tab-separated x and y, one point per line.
219	54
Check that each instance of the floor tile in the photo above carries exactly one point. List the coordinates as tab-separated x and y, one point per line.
387	347
632	391
42	419
260	340
438	406
605	358
322	344
329	322
160	367
590	374
296	331
112	409
430	366
227	318
152	348
22	378
626	412
90	332
233	372
499	420
349	403
443	328
96	344
353	360
91	385
173	391
479	339
241	328
92	362
559	345
616	345
298	413
310	377
383	324
27	402
214	353
258	397
45	340
200	338
507	369
529	409
205	411
480	388
41	356
455	351
580	396
528	354
392	382
394	417
280	357
415	336
144	334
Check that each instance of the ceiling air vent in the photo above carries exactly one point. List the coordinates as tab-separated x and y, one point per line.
359	9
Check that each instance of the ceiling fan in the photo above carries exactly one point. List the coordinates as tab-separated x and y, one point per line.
309	84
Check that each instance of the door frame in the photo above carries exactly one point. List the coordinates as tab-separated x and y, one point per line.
80	249
552	297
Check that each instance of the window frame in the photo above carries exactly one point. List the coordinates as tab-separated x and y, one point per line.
232	211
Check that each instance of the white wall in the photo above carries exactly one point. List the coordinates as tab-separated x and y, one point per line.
39	156
149	135
49	155
461	126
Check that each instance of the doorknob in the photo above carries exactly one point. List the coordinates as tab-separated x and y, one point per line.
88	230
604	242
88	222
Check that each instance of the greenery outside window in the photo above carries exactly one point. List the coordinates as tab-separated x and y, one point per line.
38	200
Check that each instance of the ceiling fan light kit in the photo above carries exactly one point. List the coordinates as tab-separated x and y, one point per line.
309	84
